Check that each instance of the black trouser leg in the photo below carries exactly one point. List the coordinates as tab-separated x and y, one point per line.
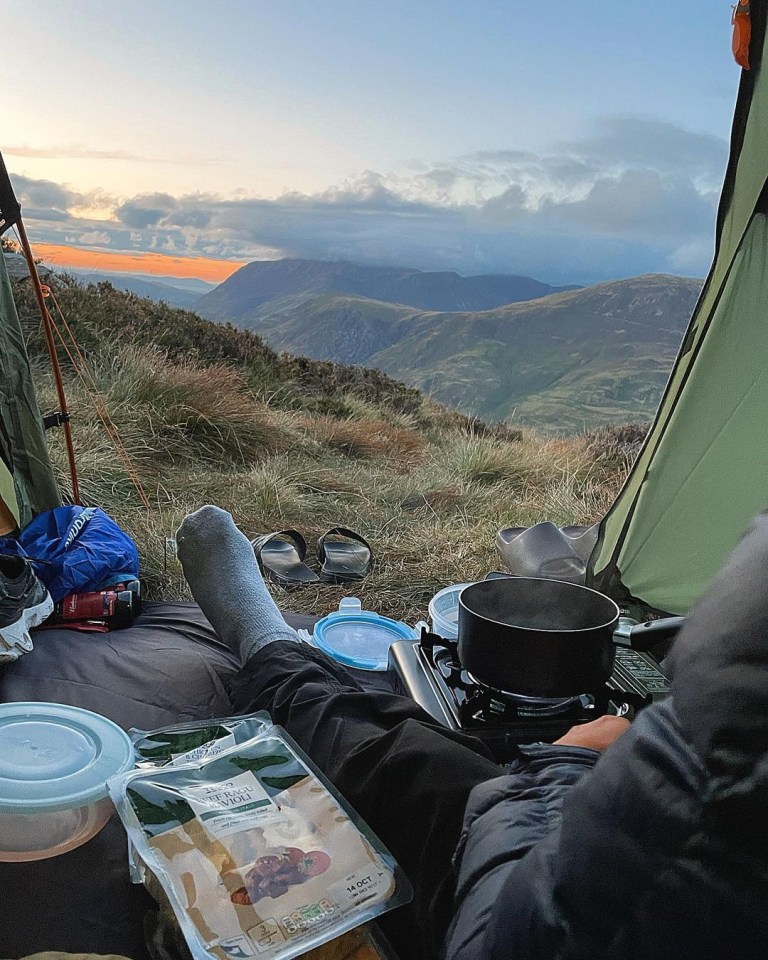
406	775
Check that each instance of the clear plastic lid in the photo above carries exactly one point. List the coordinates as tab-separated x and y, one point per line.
55	757
359	638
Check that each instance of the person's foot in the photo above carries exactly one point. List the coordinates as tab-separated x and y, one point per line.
24	603
223	575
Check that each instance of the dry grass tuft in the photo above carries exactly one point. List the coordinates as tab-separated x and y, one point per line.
366	438
185	410
441	501
616	447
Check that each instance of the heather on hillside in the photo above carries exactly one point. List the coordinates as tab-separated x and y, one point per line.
210	414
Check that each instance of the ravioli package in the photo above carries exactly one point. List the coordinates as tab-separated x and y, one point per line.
195	739
256	852
186	743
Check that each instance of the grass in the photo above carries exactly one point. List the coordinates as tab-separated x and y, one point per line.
368	438
184	410
282	442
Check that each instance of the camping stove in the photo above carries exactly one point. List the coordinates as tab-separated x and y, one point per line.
428	670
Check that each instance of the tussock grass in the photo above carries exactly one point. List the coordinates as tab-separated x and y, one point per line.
443	500
616	447
484	461
367	438
430	525
209	415
185	409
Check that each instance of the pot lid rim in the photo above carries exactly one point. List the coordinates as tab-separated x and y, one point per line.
501	623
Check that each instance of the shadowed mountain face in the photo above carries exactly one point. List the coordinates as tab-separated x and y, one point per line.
264	280
565	362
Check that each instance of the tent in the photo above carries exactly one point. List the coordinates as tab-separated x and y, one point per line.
27	484
703	470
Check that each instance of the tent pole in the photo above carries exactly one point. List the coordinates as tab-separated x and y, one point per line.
51	344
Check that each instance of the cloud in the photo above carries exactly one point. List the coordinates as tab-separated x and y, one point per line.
147	210
77	152
639	203
95	238
48	200
633	196
652	144
46	194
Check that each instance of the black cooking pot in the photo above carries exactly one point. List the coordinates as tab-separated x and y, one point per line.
538	638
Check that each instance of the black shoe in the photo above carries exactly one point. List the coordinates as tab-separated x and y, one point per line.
24	603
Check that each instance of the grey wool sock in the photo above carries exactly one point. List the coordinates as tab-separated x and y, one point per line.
224	577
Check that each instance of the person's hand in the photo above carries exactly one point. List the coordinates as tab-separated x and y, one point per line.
597	734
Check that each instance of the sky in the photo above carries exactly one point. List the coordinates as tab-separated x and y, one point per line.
572	140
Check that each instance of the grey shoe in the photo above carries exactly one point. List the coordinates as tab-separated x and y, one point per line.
24	603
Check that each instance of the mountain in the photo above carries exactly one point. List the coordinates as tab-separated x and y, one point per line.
16	265
177	292
564	363
182	283
256	283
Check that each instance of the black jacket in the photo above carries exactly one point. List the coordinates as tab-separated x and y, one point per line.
658	851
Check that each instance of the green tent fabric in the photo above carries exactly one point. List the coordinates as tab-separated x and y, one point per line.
27	483
703	471
8	493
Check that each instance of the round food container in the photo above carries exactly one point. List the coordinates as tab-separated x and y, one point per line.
359	638
444	611
55	761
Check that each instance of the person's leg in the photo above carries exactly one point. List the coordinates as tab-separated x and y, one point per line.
222	572
407	776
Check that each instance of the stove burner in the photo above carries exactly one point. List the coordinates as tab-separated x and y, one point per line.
475	703
548	705
430	672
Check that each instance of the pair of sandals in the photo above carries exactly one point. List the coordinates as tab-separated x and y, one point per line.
281	557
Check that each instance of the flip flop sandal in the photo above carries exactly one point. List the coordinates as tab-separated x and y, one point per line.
342	561
281	558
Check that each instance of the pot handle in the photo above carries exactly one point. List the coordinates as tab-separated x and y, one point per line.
647	635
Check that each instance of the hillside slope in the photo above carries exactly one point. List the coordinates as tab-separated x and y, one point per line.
103	318
346	328
567	362
208	414
240	295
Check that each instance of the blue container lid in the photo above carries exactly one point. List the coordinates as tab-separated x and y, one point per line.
56	757
359	638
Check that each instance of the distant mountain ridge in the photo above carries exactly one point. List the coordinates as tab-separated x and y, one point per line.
564	363
248	288
177	292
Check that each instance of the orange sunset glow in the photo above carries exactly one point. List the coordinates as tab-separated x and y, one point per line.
160	264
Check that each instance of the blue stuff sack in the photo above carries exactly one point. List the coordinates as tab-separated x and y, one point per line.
83	549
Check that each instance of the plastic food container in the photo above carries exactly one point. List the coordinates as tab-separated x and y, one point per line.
359	638
444	611
55	761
